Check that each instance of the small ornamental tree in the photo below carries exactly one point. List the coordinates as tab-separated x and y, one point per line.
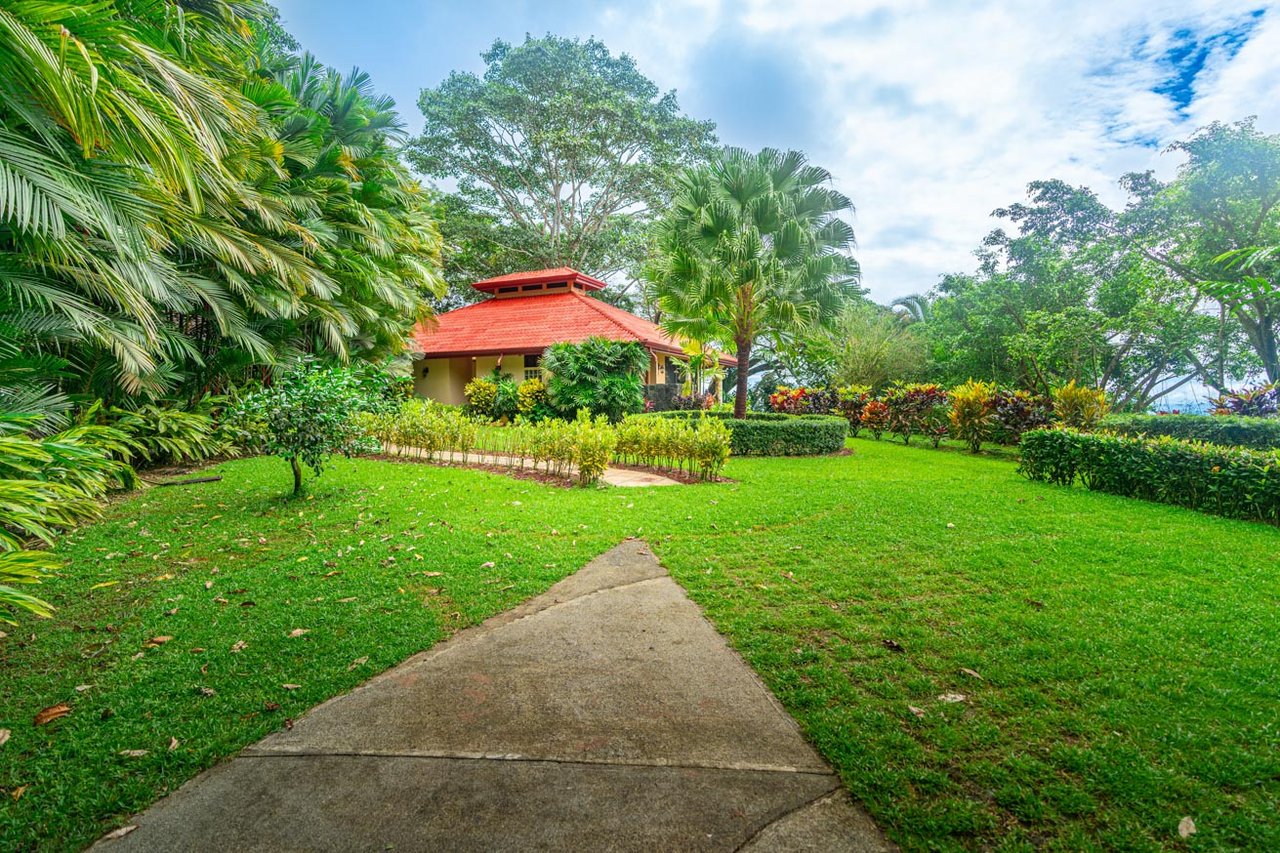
599	375
306	415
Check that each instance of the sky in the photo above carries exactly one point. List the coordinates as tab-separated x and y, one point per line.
929	114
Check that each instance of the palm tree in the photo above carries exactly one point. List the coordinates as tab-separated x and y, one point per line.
753	247
916	307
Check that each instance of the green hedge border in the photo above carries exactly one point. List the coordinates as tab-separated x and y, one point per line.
1227	430
1235	482
775	434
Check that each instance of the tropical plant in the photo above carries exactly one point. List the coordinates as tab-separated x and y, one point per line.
1078	406
1260	402
875	417
754	246
308	415
915	408
1016	412
851	400
972	413
49	483
599	375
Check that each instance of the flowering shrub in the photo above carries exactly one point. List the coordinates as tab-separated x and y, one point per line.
1230	481
692	402
1015	412
1078	406
972	413
1260	402
875	417
850	401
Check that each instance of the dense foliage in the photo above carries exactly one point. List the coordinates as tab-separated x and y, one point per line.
773	434
753	247
562	154
602	376
696	445
308	415
1260	402
1227	430
579	449
1231	481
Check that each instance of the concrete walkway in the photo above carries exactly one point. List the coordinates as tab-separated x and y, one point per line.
606	714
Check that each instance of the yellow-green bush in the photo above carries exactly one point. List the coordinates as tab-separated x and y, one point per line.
481	396
1079	407
698	445
972	408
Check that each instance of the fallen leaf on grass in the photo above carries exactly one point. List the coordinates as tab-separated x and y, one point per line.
134	753
208	691
892	645
104	584
18	792
291	686
433	574
80	688
952	697
173	744
208	584
347	600
298	632
238	646
1038	605
119	833
4	736
53	712
156	641
271	706
971	673
357	662
489	565
1186	827
919	712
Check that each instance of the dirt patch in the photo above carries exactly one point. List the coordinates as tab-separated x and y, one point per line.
683	477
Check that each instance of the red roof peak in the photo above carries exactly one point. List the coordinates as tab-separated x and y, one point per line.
567	275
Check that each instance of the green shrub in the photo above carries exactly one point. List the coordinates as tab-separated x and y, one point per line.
972	413
495	397
1229	430
1230	481
602	376
775	434
161	434
308	415
1078	406
49	483
699	445
532	403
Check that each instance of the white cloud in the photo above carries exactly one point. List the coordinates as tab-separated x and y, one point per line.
932	114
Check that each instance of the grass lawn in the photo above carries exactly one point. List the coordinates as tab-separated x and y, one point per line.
1128	653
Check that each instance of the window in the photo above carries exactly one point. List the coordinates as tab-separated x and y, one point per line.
532	367
558	285
508	289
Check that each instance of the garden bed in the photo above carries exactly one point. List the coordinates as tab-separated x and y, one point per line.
775	434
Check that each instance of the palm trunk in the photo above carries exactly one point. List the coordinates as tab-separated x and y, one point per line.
744	365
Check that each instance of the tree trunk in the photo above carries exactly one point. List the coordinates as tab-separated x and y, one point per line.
297	474
744	365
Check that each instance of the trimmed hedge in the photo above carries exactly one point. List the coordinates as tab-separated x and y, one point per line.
1232	430
774	434
1231	481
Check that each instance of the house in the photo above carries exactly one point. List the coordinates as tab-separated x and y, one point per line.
523	315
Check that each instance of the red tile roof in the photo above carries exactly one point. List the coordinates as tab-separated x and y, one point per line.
488	285
529	324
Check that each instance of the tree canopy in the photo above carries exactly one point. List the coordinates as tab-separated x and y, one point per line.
753	247
561	152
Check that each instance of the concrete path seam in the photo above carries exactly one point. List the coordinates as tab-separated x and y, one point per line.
744	766
761	831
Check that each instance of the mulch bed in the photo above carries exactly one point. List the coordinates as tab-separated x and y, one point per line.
513	472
